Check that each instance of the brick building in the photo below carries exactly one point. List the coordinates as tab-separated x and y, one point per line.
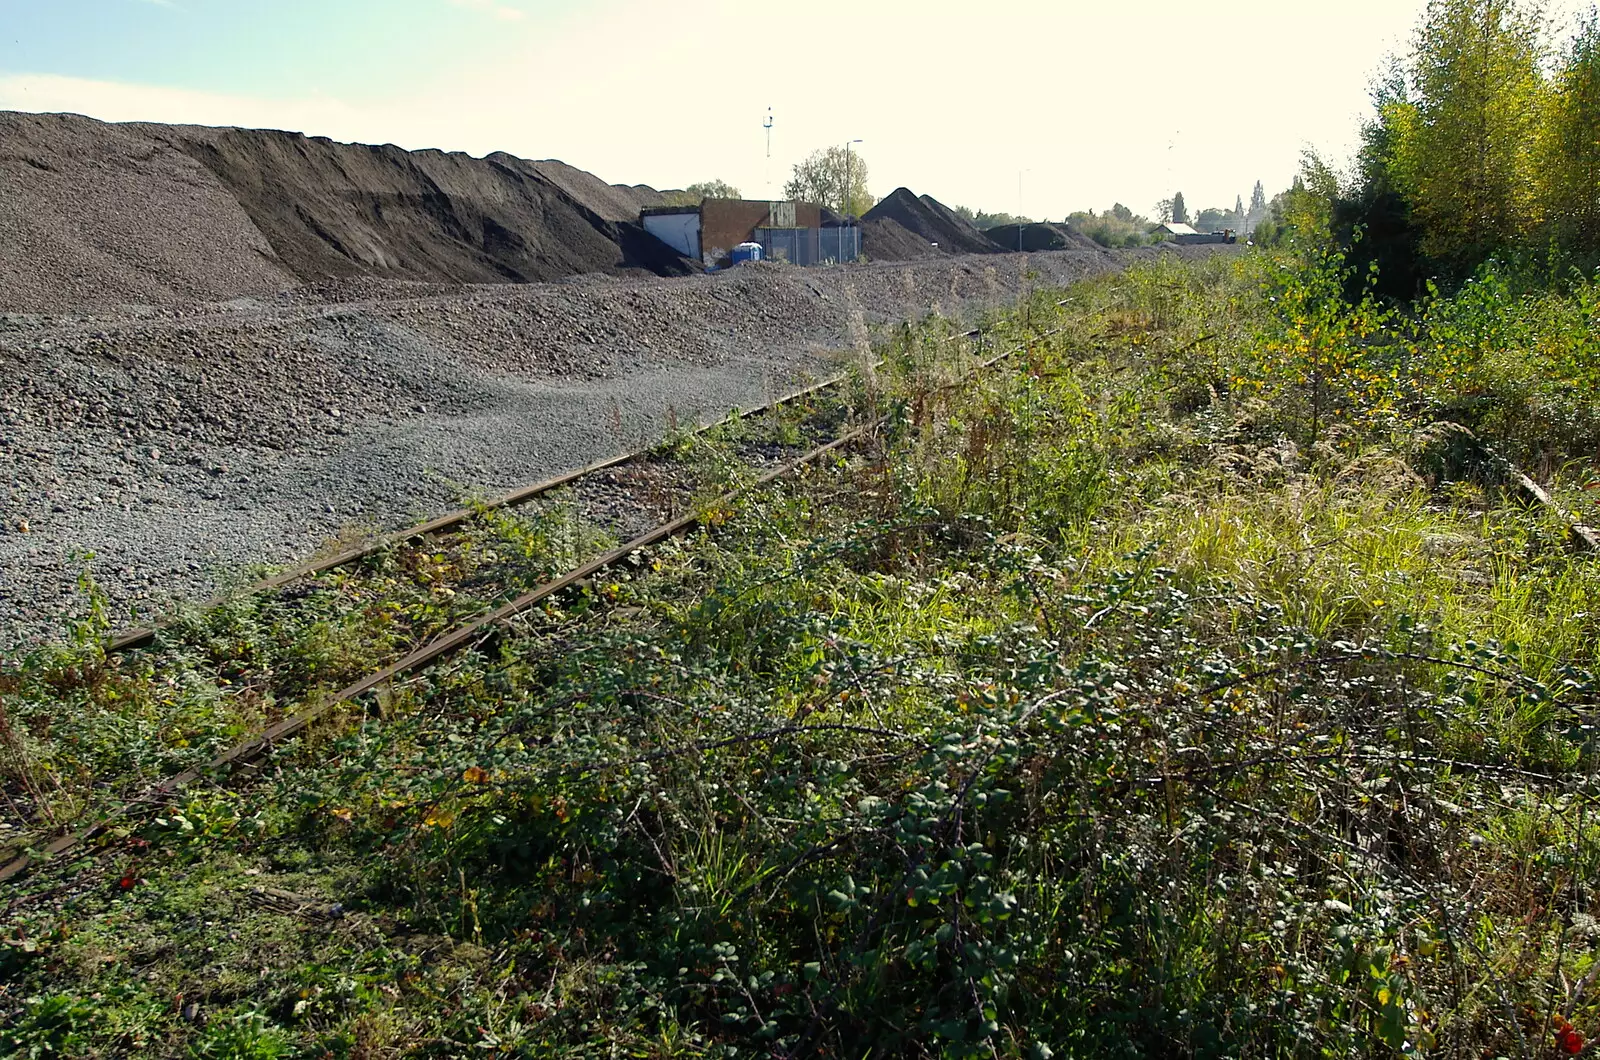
801	233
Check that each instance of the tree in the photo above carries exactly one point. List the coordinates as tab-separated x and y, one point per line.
1238	211
1466	163
1117	227
1569	144
1164	211
695	194
1180	212
1307	207
1380	205
983	220
714	189
833	177
1258	206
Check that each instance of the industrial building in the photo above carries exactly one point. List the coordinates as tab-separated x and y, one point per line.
1178	232
800	233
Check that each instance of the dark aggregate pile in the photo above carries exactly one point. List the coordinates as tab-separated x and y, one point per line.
933	222
334	210
94	215
1039	236
884	239
99	215
614	202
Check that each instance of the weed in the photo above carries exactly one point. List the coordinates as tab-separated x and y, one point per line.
1173	688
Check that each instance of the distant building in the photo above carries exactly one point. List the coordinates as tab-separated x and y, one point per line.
1179	232
800	233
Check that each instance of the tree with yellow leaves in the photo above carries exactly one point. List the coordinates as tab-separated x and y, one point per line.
1569	147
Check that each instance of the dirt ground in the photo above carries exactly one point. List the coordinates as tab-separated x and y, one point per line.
180	445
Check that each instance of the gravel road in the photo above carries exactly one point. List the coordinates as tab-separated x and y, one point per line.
183	445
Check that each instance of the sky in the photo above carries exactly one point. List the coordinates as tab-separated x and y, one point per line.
1007	105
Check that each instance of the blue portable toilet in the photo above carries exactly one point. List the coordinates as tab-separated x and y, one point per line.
746	252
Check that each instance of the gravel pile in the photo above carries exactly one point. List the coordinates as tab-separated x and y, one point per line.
94	215
932	221
614	202
885	239
1039	235
183	444
333	210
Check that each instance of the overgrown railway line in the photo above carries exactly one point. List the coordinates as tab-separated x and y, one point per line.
143	636
469	631
245	753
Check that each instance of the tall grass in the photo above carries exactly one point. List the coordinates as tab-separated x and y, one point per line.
1174	688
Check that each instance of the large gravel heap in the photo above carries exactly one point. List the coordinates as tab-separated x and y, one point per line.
223	348
102	215
1039	235
182	444
94	214
929	220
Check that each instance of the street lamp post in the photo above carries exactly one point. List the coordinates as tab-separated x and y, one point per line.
1019	208
849	188
849	177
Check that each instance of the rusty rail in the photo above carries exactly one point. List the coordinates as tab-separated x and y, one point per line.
441	646
260	743
1585	537
143	636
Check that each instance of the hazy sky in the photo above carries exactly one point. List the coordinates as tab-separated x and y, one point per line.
1091	102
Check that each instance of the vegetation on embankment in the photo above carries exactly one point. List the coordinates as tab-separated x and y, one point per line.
1481	144
1190	683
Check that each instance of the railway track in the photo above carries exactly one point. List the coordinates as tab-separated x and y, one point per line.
143	636
245	753
259	744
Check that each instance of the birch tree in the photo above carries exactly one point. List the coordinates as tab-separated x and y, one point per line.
1569	147
1477	91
